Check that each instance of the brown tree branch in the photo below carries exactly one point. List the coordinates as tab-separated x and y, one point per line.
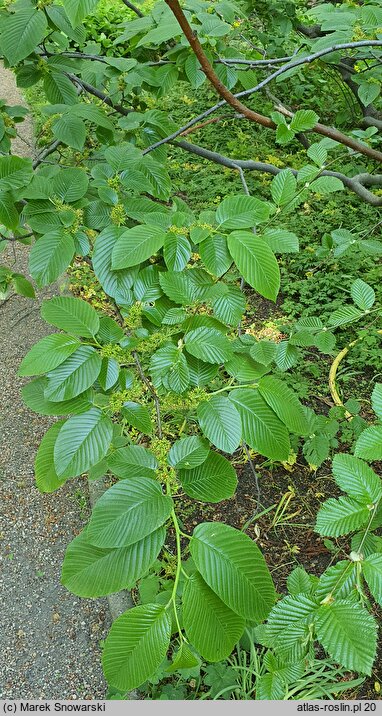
132	7
234	101
357	184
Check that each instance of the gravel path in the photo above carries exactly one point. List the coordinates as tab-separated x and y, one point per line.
49	639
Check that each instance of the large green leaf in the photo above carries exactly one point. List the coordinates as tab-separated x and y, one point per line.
233	566
89	571
176	251
132	461
337	581
339	517
45	473
213	480
241	212
262	429
34	398
285	404
372	571
215	255
14	172
178	286
348	633
9	216
75	375
188	453
136	245
72	315
69	129
177	377
22	31
256	262
50	256
47	354
289	623
127	512
283	187
82	442
210	625
77	10
229	304
356	478
138	416
369	443
116	284
376	400
209	345
136	646
362	294
220	422
60	90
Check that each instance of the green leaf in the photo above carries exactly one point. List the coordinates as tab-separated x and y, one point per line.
220	422
116	284
132	461
47	479
73	315
188	453
286	355
368	92
210	625
47	354
356	478
212	481
70	130
348	633
285	404
50	256
346	314
288	624
33	397
215	255
127	512
138	416
233	566
283	187
200	372
75	375
109	373
22	31
241	212
317	153
136	646
9	216
209	345
70	184
362	294
89	571
325	341
283	134
299	582
262	429
370	543
372	571
178	286
337	581
326	185
270	687
229	305
60	90
176	251
183	659
339	517
14	172
263	352
136	245
177	378
77	10
281	241
109	331
369	443
256	262
303	120
376	400
82	442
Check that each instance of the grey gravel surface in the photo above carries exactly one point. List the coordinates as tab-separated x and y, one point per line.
49	638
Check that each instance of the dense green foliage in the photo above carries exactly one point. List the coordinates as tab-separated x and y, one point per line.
154	386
